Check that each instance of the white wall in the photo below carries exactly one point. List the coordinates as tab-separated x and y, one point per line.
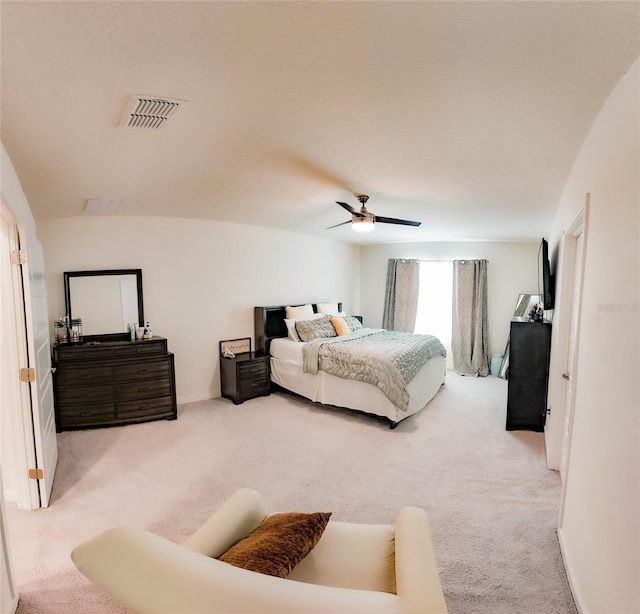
600	532
512	270
201	279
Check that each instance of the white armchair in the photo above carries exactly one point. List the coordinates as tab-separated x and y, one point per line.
367	569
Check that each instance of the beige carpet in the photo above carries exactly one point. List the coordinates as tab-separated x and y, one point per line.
492	503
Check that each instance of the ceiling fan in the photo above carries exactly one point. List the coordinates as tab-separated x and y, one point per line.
364	221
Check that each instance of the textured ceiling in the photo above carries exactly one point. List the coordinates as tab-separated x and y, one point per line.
466	116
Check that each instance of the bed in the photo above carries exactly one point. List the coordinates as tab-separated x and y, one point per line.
288	356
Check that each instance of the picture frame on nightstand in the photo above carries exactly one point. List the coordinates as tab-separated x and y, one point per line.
236	346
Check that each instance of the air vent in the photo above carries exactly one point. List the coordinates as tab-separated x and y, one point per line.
97	205
149	111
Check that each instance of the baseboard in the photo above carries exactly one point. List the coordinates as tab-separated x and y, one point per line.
194	398
10	495
569	570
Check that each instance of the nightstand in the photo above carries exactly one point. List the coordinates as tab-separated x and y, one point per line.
245	376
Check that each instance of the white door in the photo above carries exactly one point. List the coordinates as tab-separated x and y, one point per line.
39	347
28	412
17	451
572	354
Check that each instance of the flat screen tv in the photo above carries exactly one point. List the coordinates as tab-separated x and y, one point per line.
546	281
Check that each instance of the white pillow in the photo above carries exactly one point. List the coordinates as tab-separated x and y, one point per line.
328	308
291	325
302	312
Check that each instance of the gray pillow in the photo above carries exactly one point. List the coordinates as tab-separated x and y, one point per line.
353	323
315	329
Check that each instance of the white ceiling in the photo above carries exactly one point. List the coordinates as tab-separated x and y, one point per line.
466	116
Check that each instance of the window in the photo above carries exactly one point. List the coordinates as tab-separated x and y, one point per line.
435	303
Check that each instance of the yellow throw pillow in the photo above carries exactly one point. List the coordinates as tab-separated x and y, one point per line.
278	543
341	326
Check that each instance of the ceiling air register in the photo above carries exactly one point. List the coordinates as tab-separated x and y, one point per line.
149	111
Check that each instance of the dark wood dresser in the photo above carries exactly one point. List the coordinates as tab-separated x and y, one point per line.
113	382
529	352
245	376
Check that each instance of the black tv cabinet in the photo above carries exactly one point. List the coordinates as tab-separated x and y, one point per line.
529	350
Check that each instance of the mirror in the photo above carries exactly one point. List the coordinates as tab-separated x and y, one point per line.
525	304
105	300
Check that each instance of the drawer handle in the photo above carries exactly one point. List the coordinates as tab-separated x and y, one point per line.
142	370
143	389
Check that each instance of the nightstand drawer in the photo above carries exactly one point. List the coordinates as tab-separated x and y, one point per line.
255	369
253	387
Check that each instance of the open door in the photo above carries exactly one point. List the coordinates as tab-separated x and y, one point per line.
27	368
39	347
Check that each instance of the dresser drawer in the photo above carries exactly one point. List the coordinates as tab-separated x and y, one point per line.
83	353
84	394
85	415
146	407
143	390
139	371
139	348
84	376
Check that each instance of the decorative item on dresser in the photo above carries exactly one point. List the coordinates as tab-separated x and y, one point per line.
110	383
243	375
530	347
110	377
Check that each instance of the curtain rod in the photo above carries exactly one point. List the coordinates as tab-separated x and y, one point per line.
438	259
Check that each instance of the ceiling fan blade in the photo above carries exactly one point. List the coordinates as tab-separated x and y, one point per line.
393	220
341	224
349	208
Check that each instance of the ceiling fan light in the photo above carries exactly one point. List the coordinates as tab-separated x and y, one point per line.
362	224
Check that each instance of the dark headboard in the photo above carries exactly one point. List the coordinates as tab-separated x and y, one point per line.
269	324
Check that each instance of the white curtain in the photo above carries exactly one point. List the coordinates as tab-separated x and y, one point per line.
401	295
470	334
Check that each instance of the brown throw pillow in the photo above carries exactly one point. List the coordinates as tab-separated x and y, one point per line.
278	543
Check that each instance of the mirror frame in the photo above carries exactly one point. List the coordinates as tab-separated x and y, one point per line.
68	275
520	312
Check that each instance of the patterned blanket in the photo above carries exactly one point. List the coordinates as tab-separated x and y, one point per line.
386	359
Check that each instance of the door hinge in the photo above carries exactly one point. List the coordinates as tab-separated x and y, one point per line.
36	474
19	256
27	374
